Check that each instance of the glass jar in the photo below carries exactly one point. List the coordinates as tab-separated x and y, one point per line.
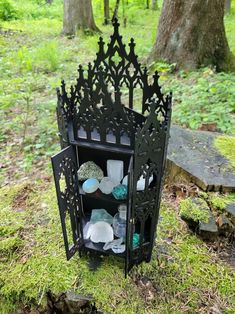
119	222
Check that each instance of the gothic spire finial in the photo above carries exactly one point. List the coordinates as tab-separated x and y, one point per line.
115	24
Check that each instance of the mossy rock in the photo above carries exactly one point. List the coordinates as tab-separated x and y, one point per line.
226	146
201	157
194	209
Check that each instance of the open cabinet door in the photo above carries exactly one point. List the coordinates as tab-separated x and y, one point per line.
130	225
66	183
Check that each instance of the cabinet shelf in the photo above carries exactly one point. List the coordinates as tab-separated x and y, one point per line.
98	195
99	247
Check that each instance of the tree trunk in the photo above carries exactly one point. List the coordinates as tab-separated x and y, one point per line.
147	4
115	13
154	5
78	14
106	12
191	34
227	6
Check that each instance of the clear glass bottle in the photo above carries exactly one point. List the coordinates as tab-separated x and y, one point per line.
119	221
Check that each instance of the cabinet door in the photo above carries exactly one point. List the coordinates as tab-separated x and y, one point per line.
130	225
65	174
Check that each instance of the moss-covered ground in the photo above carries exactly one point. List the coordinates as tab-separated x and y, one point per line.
185	275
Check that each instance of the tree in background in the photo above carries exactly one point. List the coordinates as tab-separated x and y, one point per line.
191	34
78	14
106	12
115	13
227	6
154	5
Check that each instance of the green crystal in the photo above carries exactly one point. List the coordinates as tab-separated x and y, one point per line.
136	240
120	192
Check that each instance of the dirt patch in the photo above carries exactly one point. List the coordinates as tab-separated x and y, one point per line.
20	200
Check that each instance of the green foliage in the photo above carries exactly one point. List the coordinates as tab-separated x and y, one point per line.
194	211
204	97
7	11
9	244
46	58
219	202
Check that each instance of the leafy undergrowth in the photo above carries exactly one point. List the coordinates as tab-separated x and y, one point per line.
35	57
183	276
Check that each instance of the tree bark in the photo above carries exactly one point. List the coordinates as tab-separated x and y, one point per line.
115	13
78	14
227	6
106	12
154	5
191	34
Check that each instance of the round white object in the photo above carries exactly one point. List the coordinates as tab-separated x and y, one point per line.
101	231
106	185
90	185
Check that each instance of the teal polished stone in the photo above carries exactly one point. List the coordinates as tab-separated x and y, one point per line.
136	240
120	192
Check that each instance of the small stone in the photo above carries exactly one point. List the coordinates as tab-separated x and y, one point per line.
90	185
120	192
101	231
208	230
106	185
90	170
230	209
225	225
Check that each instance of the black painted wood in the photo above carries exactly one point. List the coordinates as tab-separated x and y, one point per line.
93	119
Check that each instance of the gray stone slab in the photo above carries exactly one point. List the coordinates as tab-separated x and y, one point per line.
194	155
230	208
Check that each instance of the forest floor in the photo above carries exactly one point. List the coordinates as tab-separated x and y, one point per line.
186	275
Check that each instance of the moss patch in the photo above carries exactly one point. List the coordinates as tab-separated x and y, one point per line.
184	275
194	211
219	201
226	146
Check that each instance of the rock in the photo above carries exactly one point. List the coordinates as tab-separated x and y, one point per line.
75	302
193	156
208	230
106	185
225	225
90	170
199	217
193	210
69	303
230	209
90	185
120	192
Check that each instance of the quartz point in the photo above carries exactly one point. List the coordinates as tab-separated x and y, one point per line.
115	170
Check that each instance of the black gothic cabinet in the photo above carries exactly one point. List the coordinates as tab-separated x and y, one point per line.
97	122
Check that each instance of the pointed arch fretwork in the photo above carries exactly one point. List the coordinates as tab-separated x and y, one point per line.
120	68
